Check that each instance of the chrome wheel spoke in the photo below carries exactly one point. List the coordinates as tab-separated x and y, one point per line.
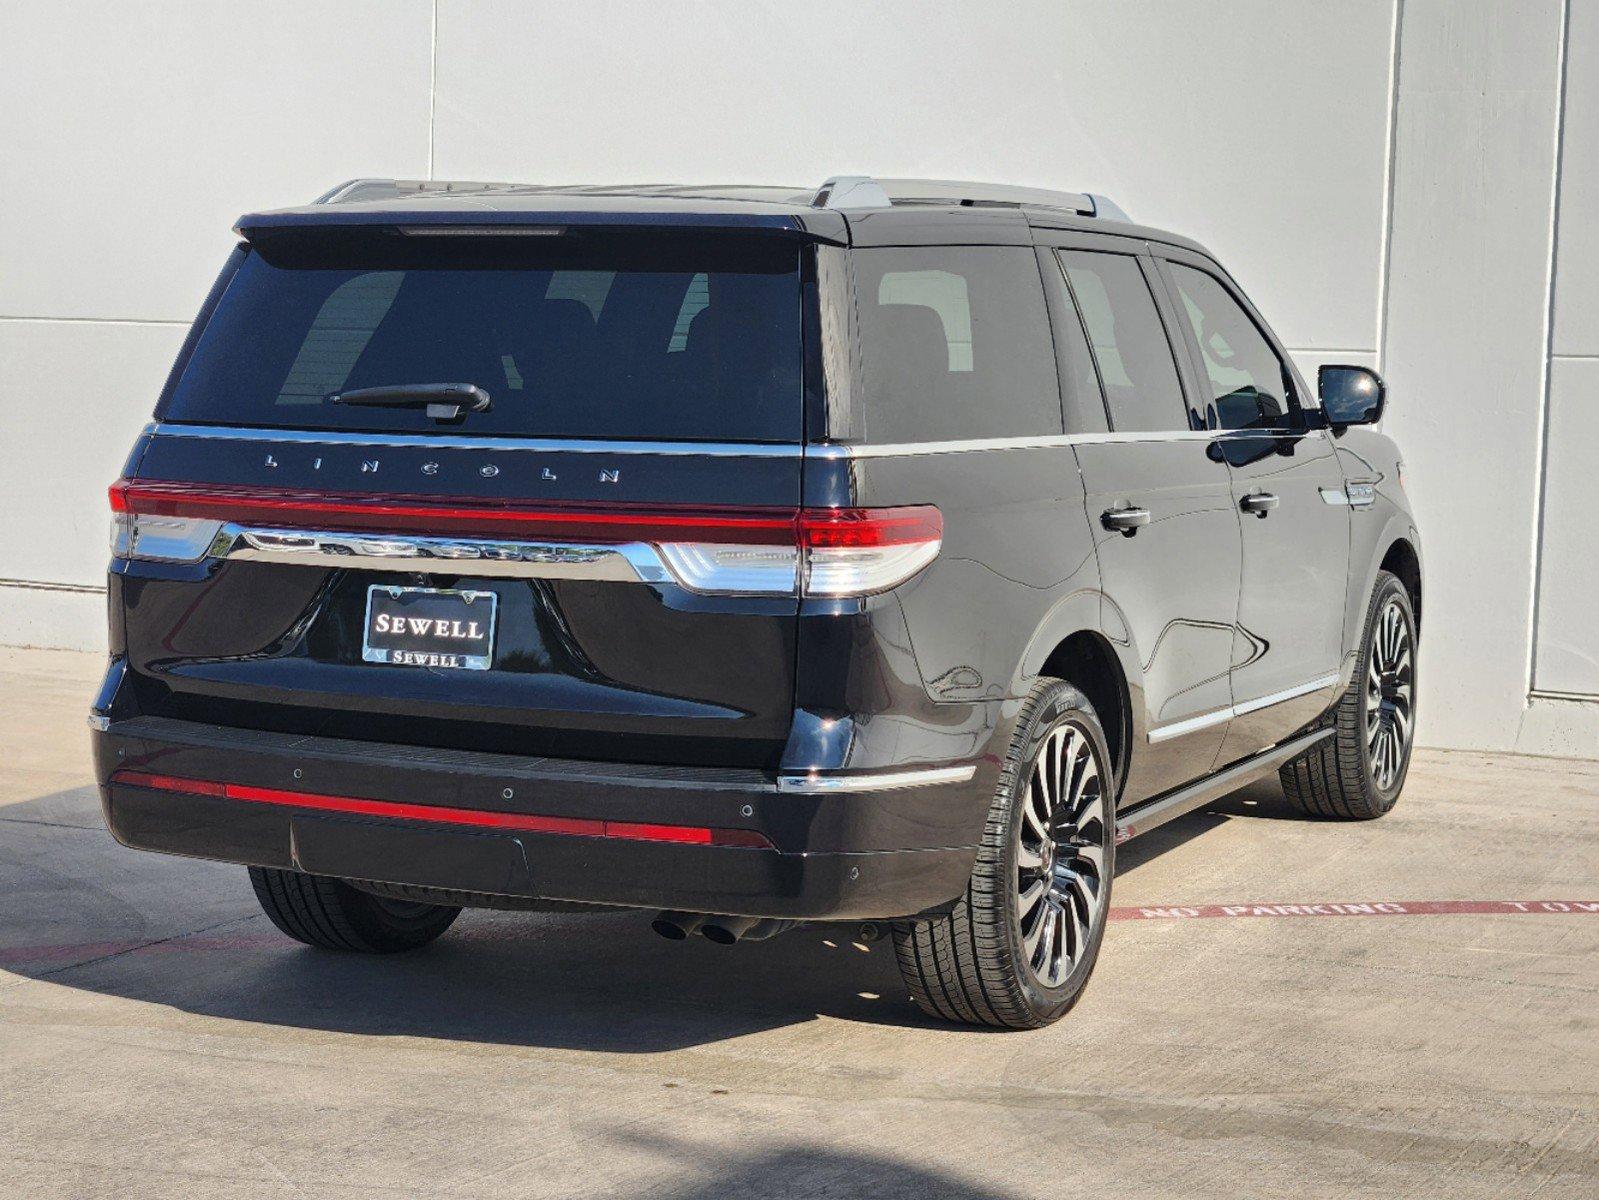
1035	823
1028	900
1094	855
1082	894
1043	940
1091	813
1078	934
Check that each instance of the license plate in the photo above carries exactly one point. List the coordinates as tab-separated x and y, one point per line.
429	627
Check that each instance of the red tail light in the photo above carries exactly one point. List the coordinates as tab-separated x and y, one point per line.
738	551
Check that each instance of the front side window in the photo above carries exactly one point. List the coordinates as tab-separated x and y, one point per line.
1129	341
1249	386
608	334
955	343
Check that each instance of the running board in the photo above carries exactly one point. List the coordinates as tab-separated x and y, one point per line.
1168	808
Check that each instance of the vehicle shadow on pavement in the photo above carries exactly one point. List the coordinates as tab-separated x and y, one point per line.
810	1171
83	912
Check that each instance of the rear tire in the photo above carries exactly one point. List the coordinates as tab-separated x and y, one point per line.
1018	947
326	912
1358	773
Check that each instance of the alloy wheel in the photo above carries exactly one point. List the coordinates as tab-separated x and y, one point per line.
1390	703
1060	854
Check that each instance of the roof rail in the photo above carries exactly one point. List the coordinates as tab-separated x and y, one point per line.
863	191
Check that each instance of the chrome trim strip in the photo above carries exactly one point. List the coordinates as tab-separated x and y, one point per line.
450	441
711	449
963	446
1046	442
1293	693
1193	724
1190	725
630	562
884	781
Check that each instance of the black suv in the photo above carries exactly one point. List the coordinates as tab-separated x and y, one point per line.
888	552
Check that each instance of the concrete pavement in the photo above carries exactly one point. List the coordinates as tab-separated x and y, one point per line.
159	1038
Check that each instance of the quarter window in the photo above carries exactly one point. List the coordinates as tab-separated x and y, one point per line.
1249	386
1128	339
955	343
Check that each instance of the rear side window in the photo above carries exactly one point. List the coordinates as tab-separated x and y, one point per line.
955	343
609	335
1130	345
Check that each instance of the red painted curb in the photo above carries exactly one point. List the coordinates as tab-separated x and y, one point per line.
1373	908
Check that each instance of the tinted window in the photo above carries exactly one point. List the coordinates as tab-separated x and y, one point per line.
608	335
955	343
1081	399
1130	346
1249	387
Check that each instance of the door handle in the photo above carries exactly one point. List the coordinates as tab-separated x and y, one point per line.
1259	503
1125	521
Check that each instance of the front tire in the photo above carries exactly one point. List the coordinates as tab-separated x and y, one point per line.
1019	945
329	913
1358	773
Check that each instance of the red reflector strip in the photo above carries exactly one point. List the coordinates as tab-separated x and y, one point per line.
699	835
812	527
453	515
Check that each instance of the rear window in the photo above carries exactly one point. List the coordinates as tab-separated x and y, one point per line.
955	343
577	335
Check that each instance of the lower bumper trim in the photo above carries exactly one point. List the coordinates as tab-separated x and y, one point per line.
700	835
730	880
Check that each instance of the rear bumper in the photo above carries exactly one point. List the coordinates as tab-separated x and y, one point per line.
842	855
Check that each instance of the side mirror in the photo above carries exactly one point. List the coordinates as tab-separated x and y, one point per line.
1350	395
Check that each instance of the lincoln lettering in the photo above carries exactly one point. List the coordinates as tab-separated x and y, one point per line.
459	631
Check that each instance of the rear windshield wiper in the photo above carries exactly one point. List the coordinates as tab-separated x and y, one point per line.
443	401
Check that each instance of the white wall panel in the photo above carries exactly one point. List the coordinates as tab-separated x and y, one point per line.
73	396
1576	326
1268	145
135	133
1568	591
1468	293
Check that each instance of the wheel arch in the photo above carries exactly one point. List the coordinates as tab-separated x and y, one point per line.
1392	546
1088	661
1401	559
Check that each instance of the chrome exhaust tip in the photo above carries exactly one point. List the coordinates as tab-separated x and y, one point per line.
676	926
724	931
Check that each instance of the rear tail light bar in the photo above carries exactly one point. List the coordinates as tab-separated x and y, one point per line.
722	551
636	831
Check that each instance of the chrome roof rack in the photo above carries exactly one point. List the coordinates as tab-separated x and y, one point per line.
863	191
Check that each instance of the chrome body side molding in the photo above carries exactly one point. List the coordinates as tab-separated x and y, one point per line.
337	437
1163	733
814	784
